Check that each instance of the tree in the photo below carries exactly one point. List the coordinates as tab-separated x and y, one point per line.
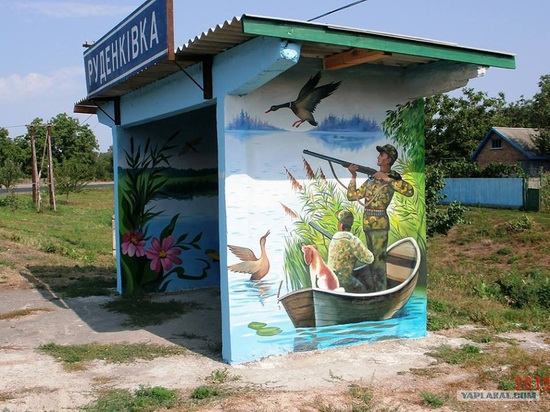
72	176
104	169
71	140
455	126
10	149
10	174
540	115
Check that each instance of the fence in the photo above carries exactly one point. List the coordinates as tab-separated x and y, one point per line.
530	194
493	192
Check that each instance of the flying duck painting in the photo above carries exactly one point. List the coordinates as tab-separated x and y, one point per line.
308	99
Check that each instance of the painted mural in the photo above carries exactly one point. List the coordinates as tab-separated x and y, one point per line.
167	197
325	212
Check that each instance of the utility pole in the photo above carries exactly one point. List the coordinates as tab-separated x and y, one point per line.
35	187
50	167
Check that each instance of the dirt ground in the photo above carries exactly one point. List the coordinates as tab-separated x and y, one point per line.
396	371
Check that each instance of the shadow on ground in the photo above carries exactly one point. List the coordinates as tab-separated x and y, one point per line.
77	307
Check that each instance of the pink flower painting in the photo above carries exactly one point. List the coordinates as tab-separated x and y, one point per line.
163	255
133	244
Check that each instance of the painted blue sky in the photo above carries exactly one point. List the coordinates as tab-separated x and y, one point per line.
42	69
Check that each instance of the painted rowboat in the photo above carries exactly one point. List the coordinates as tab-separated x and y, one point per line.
313	307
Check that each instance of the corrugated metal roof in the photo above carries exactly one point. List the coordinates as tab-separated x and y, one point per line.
317	41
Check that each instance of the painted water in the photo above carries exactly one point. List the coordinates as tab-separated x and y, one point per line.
256	187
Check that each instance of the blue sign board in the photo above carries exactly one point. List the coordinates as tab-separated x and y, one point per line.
144	38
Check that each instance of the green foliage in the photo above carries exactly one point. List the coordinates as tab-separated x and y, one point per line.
502	170
456	126
144	399
463	168
104	166
206	392
440	220
70	140
139	183
408	215
520	224
525	290
81	230
434	400
220	376
10	174
456	356
459	168
142	181
72	176
321	200
362	398
13	202
112	353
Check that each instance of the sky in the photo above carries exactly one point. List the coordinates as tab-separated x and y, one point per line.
42	65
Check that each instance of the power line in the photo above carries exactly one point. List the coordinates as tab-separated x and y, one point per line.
338	9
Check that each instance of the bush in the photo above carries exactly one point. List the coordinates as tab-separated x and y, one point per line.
529	291
440	220
72	176
10	174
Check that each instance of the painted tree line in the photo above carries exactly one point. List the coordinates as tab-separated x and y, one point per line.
75	154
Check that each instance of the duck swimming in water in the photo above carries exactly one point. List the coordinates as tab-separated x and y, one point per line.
257	267
308	99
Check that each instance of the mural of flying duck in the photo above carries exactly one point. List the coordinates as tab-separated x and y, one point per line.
309	97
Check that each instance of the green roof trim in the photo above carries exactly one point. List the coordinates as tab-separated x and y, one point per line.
312	32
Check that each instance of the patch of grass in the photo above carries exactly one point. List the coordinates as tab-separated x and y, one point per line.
90	286
143	399
74	356
144	312
442	315
479	336
80	230
21	312
529	288
492	272
206	392
456	356
362	398
519	364
220	376
433	400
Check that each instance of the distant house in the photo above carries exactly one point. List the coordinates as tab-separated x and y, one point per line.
511	145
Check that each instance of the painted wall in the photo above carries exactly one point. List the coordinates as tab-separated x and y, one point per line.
167	182
273	190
